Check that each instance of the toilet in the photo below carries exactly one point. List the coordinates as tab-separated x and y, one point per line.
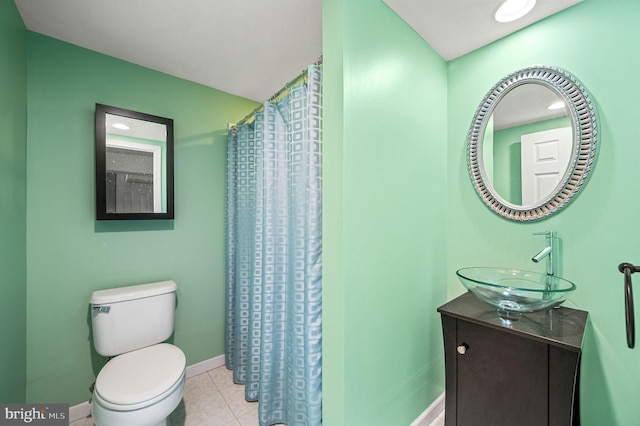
144	381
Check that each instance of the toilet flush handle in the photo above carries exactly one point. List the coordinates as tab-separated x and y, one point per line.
99	309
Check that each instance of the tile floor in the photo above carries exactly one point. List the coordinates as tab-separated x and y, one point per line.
439	421
212	399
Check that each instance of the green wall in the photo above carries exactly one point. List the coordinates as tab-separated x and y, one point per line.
70	254
384	172
13	197
595	40
333	304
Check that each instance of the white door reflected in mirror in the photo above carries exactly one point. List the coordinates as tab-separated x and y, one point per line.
523	168
545	157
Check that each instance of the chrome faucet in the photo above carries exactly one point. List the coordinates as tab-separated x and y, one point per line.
548	251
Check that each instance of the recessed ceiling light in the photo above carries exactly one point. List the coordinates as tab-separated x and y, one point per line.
120	126
556	105
510	10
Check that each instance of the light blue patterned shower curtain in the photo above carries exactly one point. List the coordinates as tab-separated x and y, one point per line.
274	249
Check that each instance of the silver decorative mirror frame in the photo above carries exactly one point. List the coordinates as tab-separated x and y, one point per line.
583	116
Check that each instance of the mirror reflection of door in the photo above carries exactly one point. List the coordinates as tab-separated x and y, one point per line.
525	170
545	157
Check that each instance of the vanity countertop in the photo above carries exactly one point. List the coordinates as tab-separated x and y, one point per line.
562	327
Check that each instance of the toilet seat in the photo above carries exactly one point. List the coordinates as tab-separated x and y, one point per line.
140	378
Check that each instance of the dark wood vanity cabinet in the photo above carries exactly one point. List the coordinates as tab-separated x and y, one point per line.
523	373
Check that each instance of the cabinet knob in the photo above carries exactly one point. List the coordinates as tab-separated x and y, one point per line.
462	349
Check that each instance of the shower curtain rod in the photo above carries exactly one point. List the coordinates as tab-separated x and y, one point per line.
302	76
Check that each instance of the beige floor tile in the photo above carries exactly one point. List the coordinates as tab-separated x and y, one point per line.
250	418
222	377
199	386
234	396
87	421
202	405
439	421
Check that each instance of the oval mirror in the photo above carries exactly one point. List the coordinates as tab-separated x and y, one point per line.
532	143
134	165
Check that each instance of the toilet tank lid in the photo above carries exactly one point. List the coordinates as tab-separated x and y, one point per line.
121	294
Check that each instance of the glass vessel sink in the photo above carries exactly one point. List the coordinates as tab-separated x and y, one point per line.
514	292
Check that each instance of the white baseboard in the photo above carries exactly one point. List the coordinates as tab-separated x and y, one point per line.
82	410
431	413
79	411
204	366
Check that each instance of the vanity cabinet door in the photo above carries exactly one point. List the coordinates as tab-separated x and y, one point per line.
518	374
502	379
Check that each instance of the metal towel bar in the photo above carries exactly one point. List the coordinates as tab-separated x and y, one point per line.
627	269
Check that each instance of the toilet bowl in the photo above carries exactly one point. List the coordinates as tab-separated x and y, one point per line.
145	380
140	388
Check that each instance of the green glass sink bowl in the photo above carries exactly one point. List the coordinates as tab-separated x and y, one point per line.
514	292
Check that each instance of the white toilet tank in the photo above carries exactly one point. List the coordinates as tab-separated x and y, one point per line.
129	318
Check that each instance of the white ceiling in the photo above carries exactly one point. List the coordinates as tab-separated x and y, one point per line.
222	43
526	104
218	43
456	27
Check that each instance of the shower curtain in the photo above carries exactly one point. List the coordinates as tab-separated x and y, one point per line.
274	248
